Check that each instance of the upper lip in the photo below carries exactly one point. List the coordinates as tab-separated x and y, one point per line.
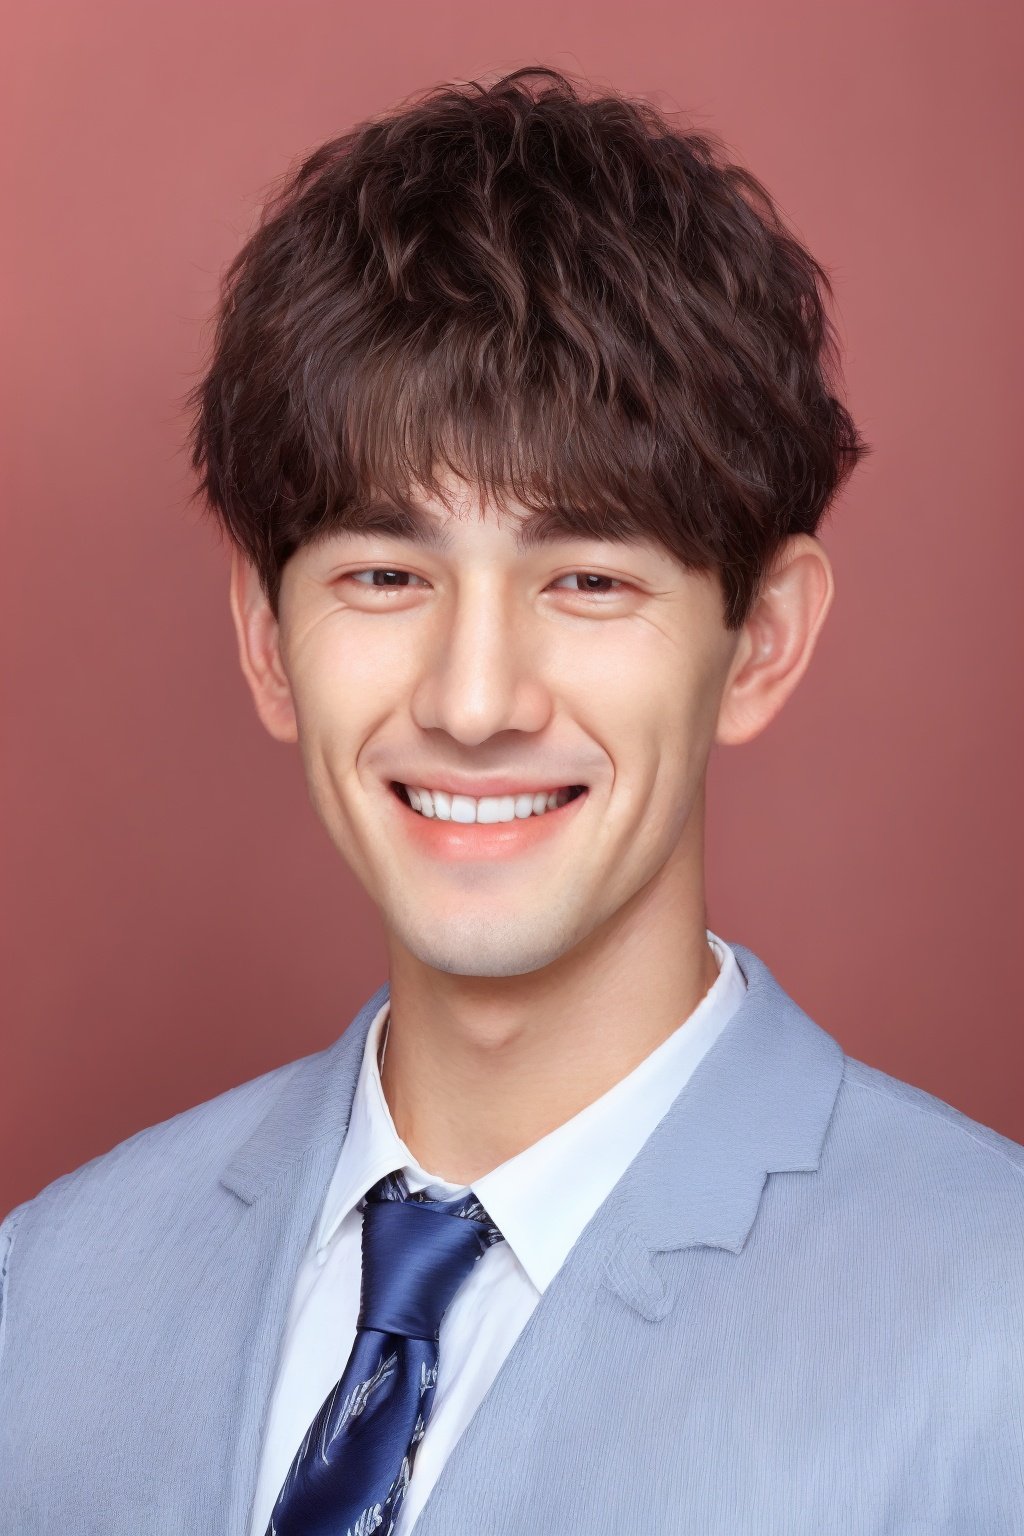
496	784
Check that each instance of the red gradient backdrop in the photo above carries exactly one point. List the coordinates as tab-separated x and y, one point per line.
175	920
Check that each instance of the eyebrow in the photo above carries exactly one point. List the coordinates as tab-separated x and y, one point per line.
534	528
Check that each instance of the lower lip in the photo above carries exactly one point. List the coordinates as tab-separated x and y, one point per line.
486	840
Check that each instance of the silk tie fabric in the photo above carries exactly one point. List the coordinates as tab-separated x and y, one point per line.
351	1471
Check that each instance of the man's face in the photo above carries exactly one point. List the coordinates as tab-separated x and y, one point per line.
487	661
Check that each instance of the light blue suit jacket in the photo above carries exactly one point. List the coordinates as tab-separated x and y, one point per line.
800	1312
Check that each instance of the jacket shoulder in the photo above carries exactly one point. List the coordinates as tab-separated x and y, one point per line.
182	1148
157	1169
933	1174
913	1110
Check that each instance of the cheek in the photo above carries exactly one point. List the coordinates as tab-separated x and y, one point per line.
341	685
660	707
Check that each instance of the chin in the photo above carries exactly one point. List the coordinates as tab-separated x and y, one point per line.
468	949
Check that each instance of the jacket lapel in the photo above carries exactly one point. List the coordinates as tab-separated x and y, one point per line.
760	1102
278	1179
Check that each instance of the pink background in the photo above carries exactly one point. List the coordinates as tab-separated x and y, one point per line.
175	920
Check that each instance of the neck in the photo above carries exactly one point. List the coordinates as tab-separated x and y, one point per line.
477	1068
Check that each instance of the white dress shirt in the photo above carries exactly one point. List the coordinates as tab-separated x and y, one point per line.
541	1200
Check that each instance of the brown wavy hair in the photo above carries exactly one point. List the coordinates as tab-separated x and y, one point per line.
562	299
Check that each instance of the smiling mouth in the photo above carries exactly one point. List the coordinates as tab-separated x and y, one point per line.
464	809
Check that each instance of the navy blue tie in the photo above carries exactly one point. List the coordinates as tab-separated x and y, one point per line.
351	1471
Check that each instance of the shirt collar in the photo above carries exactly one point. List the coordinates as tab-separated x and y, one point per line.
542	1198
372	1146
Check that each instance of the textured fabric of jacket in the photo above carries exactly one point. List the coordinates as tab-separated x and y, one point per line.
800	1312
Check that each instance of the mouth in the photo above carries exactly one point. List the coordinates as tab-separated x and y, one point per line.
507	831
492	810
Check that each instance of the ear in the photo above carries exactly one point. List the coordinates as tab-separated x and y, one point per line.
777	641
259	650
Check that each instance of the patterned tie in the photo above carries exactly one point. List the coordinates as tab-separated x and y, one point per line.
351	1471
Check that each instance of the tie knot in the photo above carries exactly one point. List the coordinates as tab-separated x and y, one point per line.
417	1251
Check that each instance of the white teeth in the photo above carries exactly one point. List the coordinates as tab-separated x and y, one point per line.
488	809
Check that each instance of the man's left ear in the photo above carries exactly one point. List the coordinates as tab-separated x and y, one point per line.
777	641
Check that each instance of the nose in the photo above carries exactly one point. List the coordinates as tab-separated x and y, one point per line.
482	670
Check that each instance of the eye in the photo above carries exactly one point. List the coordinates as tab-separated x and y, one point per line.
591	577
394	580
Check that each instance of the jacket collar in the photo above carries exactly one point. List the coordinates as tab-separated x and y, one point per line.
759	1102
310	1112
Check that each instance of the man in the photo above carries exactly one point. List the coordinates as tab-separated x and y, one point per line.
520	420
